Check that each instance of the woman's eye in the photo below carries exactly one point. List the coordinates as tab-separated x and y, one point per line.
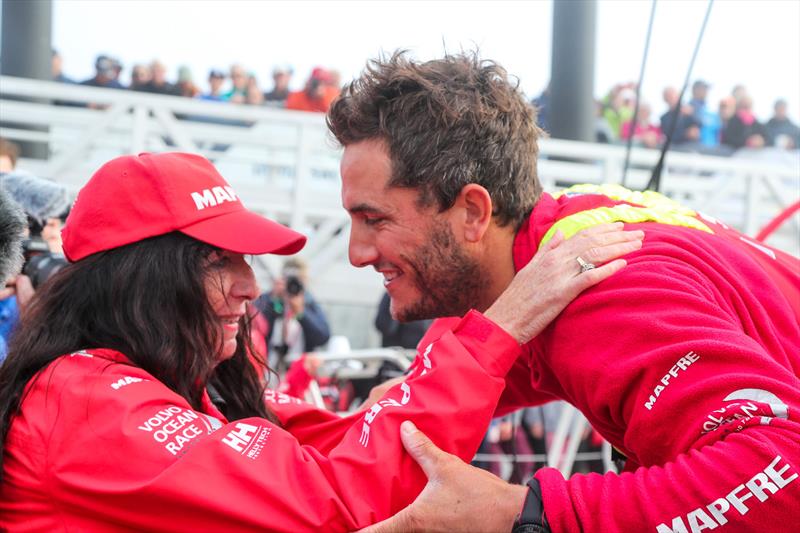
218	259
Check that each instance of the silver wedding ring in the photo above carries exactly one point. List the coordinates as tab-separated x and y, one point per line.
585	265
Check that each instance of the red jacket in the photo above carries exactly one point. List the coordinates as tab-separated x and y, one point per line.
101	445
687	361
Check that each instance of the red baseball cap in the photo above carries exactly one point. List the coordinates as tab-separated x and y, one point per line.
131	198
321	74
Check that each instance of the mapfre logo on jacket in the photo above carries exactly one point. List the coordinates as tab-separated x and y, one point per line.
126	380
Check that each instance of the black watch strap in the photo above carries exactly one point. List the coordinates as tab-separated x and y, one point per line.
532	519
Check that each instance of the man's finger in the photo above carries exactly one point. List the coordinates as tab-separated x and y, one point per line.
420	447
596	275
602	254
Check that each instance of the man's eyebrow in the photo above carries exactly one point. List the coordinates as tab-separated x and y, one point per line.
363	208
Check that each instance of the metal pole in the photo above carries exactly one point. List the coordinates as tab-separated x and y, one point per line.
572	70
25	50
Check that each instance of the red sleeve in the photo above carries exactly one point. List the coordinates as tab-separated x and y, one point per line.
323	429
517	392
165	467
296	380
692	372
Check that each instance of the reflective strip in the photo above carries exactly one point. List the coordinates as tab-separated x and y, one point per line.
658	208
212	423
621	194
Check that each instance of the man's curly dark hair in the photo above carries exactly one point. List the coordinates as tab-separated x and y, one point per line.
446	123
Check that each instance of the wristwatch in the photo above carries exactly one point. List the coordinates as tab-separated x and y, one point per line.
532	518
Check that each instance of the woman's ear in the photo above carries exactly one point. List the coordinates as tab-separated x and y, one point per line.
475	204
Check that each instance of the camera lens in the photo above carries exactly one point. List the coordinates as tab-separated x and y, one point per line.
40	267
293	285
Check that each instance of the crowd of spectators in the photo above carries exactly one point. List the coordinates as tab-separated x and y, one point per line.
237	85
699	126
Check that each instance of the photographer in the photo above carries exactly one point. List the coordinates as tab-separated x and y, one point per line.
296	322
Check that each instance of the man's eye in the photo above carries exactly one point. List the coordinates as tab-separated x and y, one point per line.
371	221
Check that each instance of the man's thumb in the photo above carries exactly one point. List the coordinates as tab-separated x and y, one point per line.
399	523
420	447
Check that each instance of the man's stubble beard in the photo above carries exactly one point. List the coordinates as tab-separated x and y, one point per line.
449	281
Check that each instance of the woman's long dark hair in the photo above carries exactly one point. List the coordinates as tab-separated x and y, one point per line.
147	300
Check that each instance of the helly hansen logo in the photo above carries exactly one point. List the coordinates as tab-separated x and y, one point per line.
762	486
248	440
239	438
213	196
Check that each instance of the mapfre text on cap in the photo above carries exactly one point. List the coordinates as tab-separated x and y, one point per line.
213	196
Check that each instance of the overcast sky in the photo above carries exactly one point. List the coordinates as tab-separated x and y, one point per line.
754	42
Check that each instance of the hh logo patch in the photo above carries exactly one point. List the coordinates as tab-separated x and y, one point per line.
248	440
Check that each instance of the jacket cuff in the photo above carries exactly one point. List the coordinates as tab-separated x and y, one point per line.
557	500
488	343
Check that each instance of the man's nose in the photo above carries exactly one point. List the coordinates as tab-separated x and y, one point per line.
361	251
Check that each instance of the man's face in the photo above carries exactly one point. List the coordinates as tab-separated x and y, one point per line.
216	83
282	80
671	97
55	65
159	73
699	92
427	270
238	77
6	165
315	89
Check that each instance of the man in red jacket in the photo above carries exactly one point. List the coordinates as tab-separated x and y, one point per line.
687	361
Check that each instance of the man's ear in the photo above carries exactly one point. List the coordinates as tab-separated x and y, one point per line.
475	205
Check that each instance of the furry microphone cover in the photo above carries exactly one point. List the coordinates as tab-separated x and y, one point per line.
39	198
12	226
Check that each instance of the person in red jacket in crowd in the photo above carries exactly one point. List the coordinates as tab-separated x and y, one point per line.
686	361
319	92
129	399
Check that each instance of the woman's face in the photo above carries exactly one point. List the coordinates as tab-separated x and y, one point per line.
230	284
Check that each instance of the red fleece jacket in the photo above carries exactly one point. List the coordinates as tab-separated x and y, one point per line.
687	361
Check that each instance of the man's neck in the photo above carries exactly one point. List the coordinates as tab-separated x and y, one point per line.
497	262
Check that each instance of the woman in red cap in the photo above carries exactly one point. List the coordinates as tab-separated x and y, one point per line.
128	400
